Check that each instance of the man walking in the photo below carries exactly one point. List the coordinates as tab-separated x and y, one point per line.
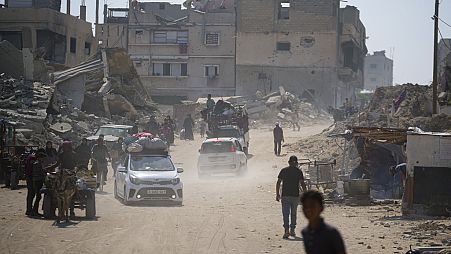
291	179
38	173
100	154
278	139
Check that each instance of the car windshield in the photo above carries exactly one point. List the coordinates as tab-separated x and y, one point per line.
117	132
216	147
151	163
226	133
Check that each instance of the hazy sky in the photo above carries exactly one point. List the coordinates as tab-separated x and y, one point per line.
403	28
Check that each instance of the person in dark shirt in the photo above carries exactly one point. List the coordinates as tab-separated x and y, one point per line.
100	154
117	154
38	173
291	179
188	124
67	159
83	154
31	159
278	139
319	237
153	126
52	154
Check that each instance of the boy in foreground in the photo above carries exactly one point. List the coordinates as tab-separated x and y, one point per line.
319	237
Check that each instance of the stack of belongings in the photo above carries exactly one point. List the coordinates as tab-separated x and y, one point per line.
144	142
224	113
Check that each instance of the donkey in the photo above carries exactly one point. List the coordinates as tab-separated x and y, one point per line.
65	190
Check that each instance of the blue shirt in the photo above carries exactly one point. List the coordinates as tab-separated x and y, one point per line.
323	240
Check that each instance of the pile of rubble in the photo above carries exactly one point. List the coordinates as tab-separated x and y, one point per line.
284	106
24	104
402	106
77	101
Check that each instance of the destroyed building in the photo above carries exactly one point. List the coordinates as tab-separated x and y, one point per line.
177	52
39	26
313	48
378	70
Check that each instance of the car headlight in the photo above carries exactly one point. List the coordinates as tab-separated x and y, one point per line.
134	180
175	181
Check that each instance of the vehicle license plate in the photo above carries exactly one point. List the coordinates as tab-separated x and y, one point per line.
156	191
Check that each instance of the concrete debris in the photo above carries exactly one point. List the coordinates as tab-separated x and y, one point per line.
402	106
72	106
12	62
284	106
21	63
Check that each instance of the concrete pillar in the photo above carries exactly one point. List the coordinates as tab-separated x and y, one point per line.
97	12
83	12
68	7
28	65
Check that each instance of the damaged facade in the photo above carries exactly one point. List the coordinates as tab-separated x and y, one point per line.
59	38
378	70
177	52
313	48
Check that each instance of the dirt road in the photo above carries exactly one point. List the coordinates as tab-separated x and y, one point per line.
219	215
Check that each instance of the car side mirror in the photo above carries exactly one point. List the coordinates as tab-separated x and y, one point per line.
180	170
122	169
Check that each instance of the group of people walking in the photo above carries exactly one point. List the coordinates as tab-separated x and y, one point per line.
45	160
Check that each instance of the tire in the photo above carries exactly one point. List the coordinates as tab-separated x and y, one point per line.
49	209
90	205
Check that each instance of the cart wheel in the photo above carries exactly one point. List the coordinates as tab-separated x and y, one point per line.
49	209
90	205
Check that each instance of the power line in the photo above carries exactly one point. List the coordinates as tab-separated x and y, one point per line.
444	22
444	41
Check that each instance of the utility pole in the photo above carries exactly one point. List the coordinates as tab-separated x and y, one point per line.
435	70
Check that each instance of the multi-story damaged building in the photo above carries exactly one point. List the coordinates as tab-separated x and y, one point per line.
177	52
378	70
40	26
311	47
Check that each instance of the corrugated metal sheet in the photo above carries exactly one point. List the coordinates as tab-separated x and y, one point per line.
20	3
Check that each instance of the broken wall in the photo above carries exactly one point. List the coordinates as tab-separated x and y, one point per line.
11	60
